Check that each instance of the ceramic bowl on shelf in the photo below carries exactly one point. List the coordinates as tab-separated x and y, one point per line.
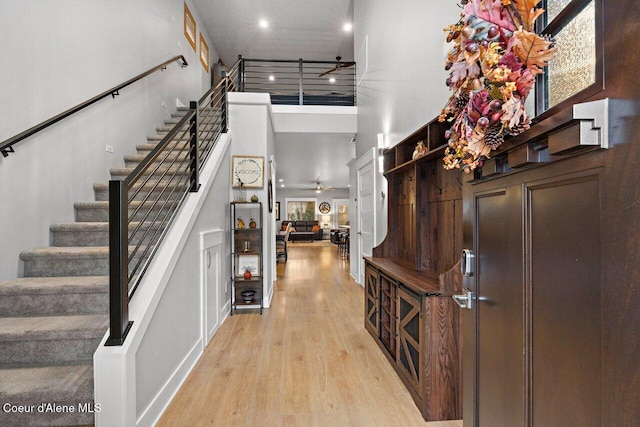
248	295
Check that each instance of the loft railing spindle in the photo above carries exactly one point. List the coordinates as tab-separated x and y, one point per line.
300	88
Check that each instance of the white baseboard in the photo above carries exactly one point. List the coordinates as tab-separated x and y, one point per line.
152	413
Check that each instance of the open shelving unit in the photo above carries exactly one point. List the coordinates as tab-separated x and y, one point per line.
246	253
412	274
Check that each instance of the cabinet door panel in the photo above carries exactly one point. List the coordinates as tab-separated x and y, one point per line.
371	300
564	236
409	325
387	302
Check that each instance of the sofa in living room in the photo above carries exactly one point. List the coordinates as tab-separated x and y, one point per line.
304	230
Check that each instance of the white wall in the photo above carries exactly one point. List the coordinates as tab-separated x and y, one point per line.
175	329
58	54
403	86
136	381
250	119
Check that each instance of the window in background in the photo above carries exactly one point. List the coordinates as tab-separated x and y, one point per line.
341	208
575	68
301	209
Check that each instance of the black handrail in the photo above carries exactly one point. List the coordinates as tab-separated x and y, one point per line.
6	146
144	204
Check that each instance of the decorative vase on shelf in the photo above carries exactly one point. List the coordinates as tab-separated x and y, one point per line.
252	223
240	223
420	150
247	274
240	193
254	198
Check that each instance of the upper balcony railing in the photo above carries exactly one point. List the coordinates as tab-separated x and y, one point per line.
297	82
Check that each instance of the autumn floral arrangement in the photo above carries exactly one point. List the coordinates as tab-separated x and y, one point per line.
493	63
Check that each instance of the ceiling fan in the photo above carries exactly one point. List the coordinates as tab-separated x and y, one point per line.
318	188
339	66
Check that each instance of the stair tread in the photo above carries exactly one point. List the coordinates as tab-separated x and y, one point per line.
61	382
54	285
53	327
70	252
149	147
104	204
140	157
178	167
101	186
67	252
157	137
88	226
79	226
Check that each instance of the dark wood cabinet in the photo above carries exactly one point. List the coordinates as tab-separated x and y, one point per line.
411	276
418	329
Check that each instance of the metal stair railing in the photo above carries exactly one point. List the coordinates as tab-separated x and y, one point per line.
6	146
157	187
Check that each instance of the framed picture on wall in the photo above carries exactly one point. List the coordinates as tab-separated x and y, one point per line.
189	26
204	53
301	209
247	171
277	211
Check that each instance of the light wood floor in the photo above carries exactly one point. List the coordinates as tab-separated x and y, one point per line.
307	361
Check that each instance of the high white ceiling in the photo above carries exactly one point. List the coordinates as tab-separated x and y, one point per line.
307	29
303	158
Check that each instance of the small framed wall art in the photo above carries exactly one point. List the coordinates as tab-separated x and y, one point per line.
249	263
204	53
247	171
189	26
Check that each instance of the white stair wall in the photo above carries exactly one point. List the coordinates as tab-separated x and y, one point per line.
136	381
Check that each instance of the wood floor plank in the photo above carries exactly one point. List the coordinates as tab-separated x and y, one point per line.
307	361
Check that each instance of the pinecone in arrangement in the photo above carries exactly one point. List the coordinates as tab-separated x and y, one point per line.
520	127
461	101
493	137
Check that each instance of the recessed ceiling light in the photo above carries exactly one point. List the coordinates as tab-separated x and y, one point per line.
281	180
281	185
332	80
347	27
264	23
271	78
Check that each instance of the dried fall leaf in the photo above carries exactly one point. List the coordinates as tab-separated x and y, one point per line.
528	12
490	11
533	50
513	112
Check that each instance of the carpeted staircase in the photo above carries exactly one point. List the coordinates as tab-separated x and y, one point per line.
52	320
